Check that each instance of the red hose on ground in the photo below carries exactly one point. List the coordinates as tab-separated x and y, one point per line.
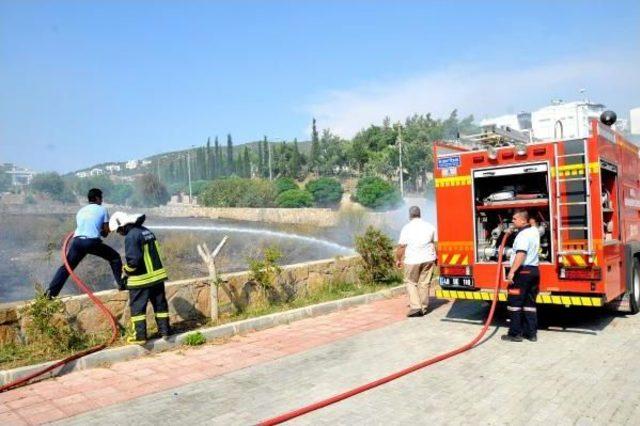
96	301
336	398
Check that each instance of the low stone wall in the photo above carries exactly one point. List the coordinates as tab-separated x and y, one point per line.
308	216
189	299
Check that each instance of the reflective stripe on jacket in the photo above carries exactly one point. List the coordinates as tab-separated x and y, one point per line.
142	253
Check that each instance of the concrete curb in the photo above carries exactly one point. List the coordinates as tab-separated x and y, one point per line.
123	353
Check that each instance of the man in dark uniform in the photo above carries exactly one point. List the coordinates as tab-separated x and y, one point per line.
146	275
524	281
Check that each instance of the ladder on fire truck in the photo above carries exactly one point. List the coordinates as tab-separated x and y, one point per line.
575	172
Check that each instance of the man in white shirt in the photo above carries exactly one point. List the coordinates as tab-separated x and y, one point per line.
416	252
524	280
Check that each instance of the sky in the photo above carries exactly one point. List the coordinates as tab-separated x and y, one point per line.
88	82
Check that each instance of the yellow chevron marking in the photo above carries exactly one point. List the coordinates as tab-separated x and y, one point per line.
465	261
544	298
454	259
444	258
574	169
586	301
579	260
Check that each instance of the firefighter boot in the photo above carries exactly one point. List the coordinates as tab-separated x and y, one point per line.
138	333
162	319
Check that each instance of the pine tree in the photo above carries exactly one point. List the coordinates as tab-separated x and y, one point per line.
230	164
315	148
218	159
207	160
295	160
247	163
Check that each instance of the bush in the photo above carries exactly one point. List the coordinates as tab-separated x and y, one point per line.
50	184
326	191
120	194
376	193
294	198
150	192
265	271
195	339
285	184
239	192
376	250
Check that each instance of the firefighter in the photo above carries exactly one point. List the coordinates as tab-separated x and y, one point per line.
92	223
145	275
524	280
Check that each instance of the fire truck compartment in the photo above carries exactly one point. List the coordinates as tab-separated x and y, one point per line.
498	193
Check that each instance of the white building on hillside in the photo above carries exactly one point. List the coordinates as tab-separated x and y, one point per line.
82	174
96	172
131	164
112	168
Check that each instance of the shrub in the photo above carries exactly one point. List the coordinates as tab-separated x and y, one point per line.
294	198
50	184
195	339
326	191
264	271
150	192
376	193
376	250
120	194
239	192
285	184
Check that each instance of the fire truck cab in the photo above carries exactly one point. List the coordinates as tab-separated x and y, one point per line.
583	195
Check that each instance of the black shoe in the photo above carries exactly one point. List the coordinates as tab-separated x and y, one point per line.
510	338
531	338
415	313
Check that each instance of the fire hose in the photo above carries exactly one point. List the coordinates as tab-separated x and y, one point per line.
82	286
339	397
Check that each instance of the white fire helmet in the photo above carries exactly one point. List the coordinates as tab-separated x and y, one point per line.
120	219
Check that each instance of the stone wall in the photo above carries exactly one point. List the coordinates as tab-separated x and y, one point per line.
189	299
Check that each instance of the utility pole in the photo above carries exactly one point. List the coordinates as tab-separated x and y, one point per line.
399	142
189	175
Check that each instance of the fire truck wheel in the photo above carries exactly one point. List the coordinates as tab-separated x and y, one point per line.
634	296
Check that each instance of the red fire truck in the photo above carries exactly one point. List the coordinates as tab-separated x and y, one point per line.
583	195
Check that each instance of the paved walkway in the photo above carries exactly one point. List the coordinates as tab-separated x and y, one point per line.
583	370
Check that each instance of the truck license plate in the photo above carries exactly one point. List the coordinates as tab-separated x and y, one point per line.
456	281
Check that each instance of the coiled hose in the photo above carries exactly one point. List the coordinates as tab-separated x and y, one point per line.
336	398
82	286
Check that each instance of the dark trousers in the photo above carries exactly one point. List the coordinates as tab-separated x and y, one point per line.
138	298
521	301
78	249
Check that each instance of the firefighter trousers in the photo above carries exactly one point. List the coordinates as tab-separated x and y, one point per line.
521	302
138	299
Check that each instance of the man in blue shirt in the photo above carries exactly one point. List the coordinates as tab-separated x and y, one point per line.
92	223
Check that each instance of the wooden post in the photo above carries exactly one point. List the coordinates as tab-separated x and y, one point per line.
209	259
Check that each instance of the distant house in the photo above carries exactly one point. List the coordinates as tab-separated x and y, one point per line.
131	164
82	174
96	172
145	163
112	168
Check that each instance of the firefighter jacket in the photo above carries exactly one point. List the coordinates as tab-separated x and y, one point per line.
142	255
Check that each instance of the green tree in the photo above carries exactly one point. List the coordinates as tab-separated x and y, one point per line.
314	157
150	192
267	154
120	194
294	198
208	164
230	165
376	193
50	184
376	250
218	160
285	184
246	163
326	191
296	163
